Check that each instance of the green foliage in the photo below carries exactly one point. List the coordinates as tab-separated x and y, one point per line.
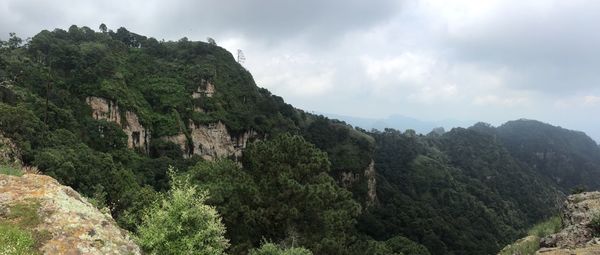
547	227
272	249
530	244
10	170
527	246
595	225
181	223
457	193
15	241
18	235
300	201
236	196
403	245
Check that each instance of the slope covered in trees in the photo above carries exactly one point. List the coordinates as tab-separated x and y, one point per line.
302	180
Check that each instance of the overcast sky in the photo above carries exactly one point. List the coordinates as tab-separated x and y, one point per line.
491	61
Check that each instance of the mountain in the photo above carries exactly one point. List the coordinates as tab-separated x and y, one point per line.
399	122
109	113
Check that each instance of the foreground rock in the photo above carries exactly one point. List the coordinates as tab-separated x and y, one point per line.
579	234
70	224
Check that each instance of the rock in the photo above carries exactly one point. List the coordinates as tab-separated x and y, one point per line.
370	174
576	237
104	109
73	225
212	141
206	89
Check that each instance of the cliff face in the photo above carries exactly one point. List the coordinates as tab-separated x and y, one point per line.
62	221
104	109
212	141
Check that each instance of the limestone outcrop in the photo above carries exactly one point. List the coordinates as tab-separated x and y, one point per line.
212	141
65	222
104	109
206	89
348	179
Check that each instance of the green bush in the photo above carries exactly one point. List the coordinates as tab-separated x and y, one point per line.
182	223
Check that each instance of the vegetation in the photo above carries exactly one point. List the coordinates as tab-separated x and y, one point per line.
530	244
18	235
182	224
272	249
301	184
10	170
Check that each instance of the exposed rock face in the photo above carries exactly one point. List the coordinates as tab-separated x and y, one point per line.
348	179
577	235
370	174
212	141
137	135
206	89
74	225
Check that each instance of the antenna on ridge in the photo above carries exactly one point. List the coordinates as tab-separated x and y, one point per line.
240	56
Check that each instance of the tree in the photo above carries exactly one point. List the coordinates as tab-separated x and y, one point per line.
211	41
300	203
181	223
272	249
14	41
103	28
235	194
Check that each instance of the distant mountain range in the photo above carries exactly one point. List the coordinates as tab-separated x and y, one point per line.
400	122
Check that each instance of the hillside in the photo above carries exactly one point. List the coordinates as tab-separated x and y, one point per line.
108	113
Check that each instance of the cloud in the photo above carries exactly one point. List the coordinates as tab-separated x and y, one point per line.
434	59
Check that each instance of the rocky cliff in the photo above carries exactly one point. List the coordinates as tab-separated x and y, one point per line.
580	232
104	109
58	218
581	227
212	141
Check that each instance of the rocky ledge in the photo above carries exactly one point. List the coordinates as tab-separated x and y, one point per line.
62	220
581	227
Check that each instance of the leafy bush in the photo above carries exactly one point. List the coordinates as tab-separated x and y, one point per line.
181	223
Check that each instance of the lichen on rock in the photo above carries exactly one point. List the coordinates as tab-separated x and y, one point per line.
72	225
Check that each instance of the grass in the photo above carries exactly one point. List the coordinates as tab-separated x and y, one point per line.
531	243
10	170
15	241
17	229
546	228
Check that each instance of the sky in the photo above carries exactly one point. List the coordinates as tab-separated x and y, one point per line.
491	61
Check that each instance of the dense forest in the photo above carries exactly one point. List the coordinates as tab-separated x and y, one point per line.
303	184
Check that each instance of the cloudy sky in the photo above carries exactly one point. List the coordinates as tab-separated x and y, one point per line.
493	60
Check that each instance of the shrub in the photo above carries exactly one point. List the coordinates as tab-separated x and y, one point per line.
182	223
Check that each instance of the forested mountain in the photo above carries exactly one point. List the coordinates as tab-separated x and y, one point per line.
108	113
